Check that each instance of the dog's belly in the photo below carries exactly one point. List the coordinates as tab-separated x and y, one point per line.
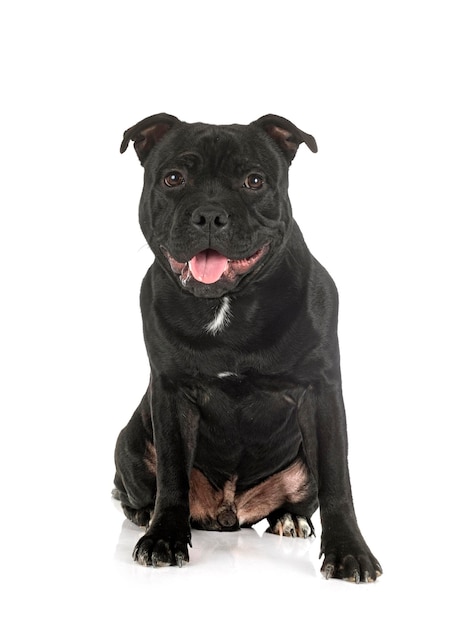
226	508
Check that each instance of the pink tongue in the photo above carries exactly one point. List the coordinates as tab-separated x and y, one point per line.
208	266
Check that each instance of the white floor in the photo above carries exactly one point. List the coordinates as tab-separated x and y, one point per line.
79	571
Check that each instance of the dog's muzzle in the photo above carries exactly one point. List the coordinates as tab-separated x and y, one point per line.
209	266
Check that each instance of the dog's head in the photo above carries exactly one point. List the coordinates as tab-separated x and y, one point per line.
215	207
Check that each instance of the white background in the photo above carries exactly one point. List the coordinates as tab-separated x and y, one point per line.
379	84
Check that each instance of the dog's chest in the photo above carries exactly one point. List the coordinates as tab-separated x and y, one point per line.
245	430
220	317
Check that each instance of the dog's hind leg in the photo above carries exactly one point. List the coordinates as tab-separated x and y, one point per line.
135	458
288	524
140	517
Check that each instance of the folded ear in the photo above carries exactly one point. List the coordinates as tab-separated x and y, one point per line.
286	134
147	133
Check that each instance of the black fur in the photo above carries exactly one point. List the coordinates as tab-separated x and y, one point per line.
245	400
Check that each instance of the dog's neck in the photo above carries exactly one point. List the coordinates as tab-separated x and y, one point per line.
222	317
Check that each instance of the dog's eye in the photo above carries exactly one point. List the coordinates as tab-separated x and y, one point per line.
174	179
254	181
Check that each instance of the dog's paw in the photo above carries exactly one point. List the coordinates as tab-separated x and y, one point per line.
163	545
353	563
288	525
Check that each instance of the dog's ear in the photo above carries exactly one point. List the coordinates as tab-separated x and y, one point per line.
286	134
147	133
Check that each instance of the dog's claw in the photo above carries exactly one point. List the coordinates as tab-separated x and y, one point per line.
354	578
328	571
180	560
367	578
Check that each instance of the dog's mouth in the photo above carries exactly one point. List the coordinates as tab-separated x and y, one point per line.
209	266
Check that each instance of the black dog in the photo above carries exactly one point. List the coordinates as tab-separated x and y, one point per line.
243	418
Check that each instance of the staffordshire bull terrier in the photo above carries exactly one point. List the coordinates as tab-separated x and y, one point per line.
243	418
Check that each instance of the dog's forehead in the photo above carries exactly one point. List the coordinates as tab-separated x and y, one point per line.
207	137
235	142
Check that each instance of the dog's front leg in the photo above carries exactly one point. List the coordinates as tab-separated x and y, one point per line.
175	422
323	426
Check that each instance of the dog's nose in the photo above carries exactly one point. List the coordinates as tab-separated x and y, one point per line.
209	218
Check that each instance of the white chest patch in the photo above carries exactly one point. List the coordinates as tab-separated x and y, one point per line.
222	317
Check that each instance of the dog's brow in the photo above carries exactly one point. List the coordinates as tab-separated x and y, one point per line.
188	159
250	166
